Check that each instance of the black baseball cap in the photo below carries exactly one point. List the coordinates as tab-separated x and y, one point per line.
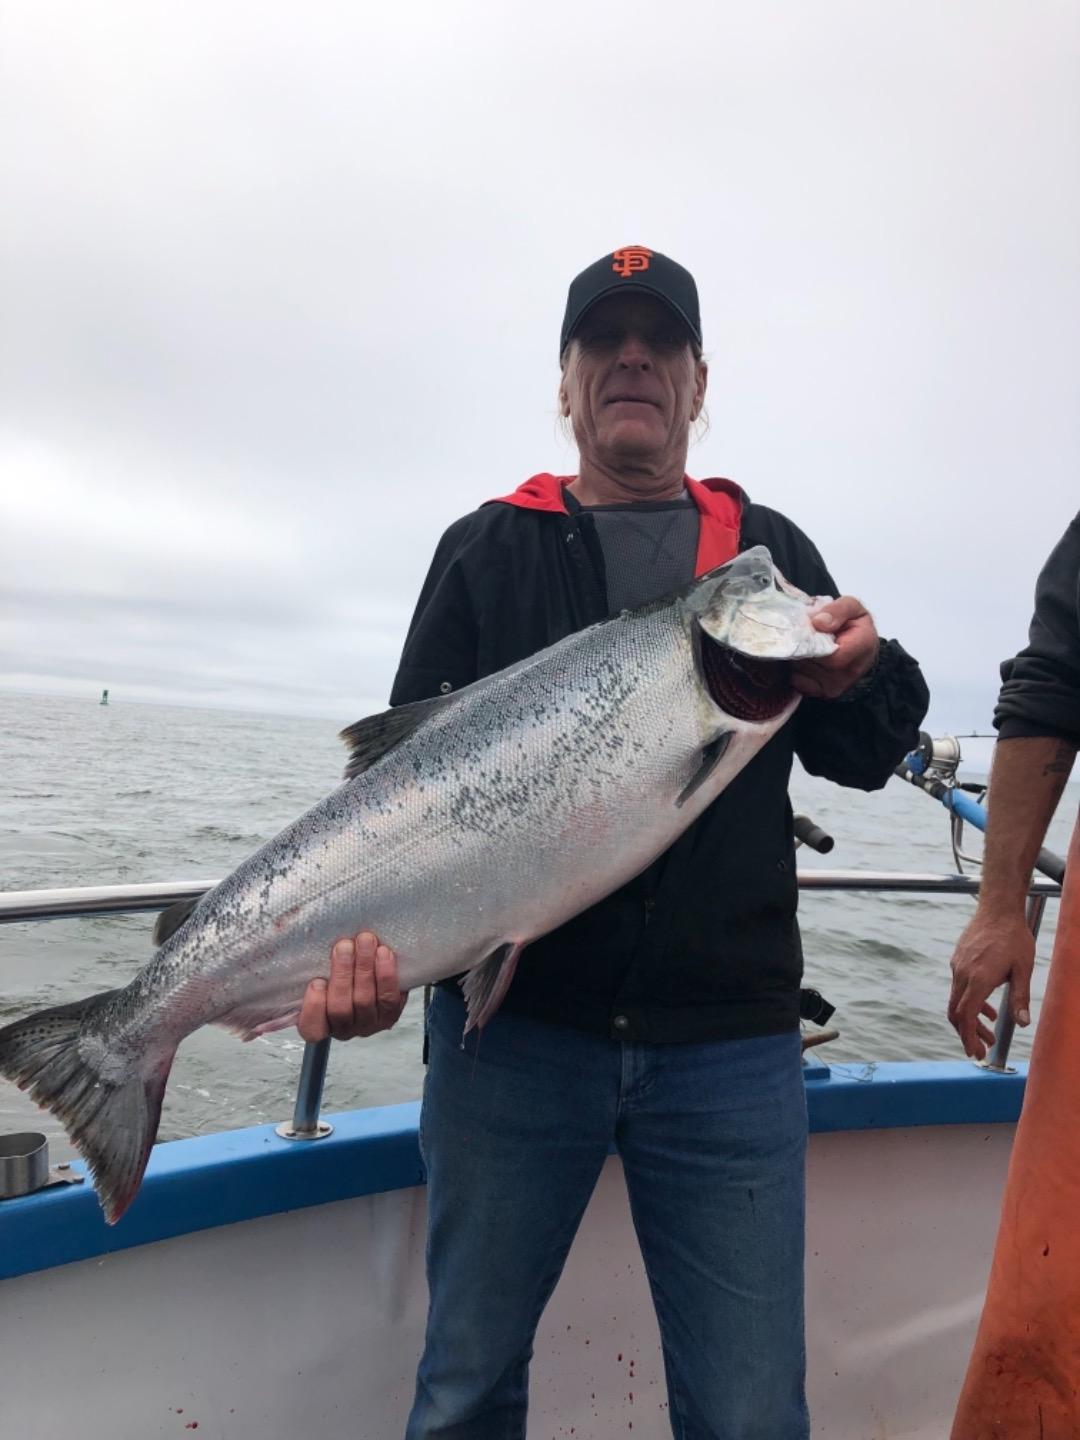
633	267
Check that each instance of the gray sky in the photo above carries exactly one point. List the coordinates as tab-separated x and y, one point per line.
282	287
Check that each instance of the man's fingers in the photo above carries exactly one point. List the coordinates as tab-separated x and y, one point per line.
967	1032
312	1023
807	683
838	613
963	1012
363	988
832	675
377	1000
339	991
821	678
1020	998
990	953
969	1036
966	1015
386	986
361	996
389	997
984	1033
955	994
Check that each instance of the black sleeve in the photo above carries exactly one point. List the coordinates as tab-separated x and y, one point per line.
440	648
1040	691
858	739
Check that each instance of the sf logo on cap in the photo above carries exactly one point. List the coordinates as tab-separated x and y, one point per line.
631	260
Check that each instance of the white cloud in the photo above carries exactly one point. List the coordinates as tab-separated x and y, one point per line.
282	292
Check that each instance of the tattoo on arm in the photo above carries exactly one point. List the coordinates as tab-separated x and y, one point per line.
1062	762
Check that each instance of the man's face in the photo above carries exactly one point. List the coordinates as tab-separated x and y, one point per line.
631	385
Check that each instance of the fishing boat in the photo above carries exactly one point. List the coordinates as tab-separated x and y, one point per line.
268	1282
104	698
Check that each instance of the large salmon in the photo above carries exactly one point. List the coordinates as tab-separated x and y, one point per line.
467	826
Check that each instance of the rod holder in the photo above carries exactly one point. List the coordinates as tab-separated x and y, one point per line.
305	1124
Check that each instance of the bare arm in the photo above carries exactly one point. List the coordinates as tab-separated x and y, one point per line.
1029	773
1028	777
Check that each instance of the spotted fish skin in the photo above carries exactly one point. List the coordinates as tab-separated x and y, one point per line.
473	824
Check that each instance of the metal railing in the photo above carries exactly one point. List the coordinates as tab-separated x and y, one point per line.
97	900
24	905
17	905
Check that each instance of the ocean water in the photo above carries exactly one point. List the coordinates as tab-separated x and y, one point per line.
94	795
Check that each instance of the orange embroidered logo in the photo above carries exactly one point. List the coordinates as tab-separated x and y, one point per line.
631	259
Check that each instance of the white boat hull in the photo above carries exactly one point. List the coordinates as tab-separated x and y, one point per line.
309	1322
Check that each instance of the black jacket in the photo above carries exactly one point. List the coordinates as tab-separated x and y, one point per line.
1040	692
704	944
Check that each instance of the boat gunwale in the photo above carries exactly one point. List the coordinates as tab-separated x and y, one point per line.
234	1176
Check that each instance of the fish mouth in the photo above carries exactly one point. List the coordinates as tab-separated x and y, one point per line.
744	687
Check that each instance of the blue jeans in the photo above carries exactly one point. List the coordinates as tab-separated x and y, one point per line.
713	1141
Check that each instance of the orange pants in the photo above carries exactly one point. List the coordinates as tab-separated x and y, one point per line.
1023	1380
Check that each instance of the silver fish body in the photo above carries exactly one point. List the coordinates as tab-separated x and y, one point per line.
469	826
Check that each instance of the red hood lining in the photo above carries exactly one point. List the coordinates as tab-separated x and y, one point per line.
719	501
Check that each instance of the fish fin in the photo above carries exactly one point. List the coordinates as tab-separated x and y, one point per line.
371	738
170	920
486	986
250	1023
113	1123
711	756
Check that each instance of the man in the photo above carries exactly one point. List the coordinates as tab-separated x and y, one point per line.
664	1020
1038	724
1023	1376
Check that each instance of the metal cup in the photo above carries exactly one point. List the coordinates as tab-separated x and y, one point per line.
24	1163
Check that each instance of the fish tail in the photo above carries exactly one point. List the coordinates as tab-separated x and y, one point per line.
112	1121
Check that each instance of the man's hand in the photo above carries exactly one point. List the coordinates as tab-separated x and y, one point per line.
990	952
360	998
856	650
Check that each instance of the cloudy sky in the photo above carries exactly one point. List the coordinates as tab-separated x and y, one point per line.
282	284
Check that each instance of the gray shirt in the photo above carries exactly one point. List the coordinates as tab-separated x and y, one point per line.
649	548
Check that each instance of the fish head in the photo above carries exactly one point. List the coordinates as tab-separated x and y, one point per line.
748	626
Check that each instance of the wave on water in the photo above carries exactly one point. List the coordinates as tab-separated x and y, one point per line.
229	837
90	804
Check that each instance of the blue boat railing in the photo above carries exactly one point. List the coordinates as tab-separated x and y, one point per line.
932	767
29	905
